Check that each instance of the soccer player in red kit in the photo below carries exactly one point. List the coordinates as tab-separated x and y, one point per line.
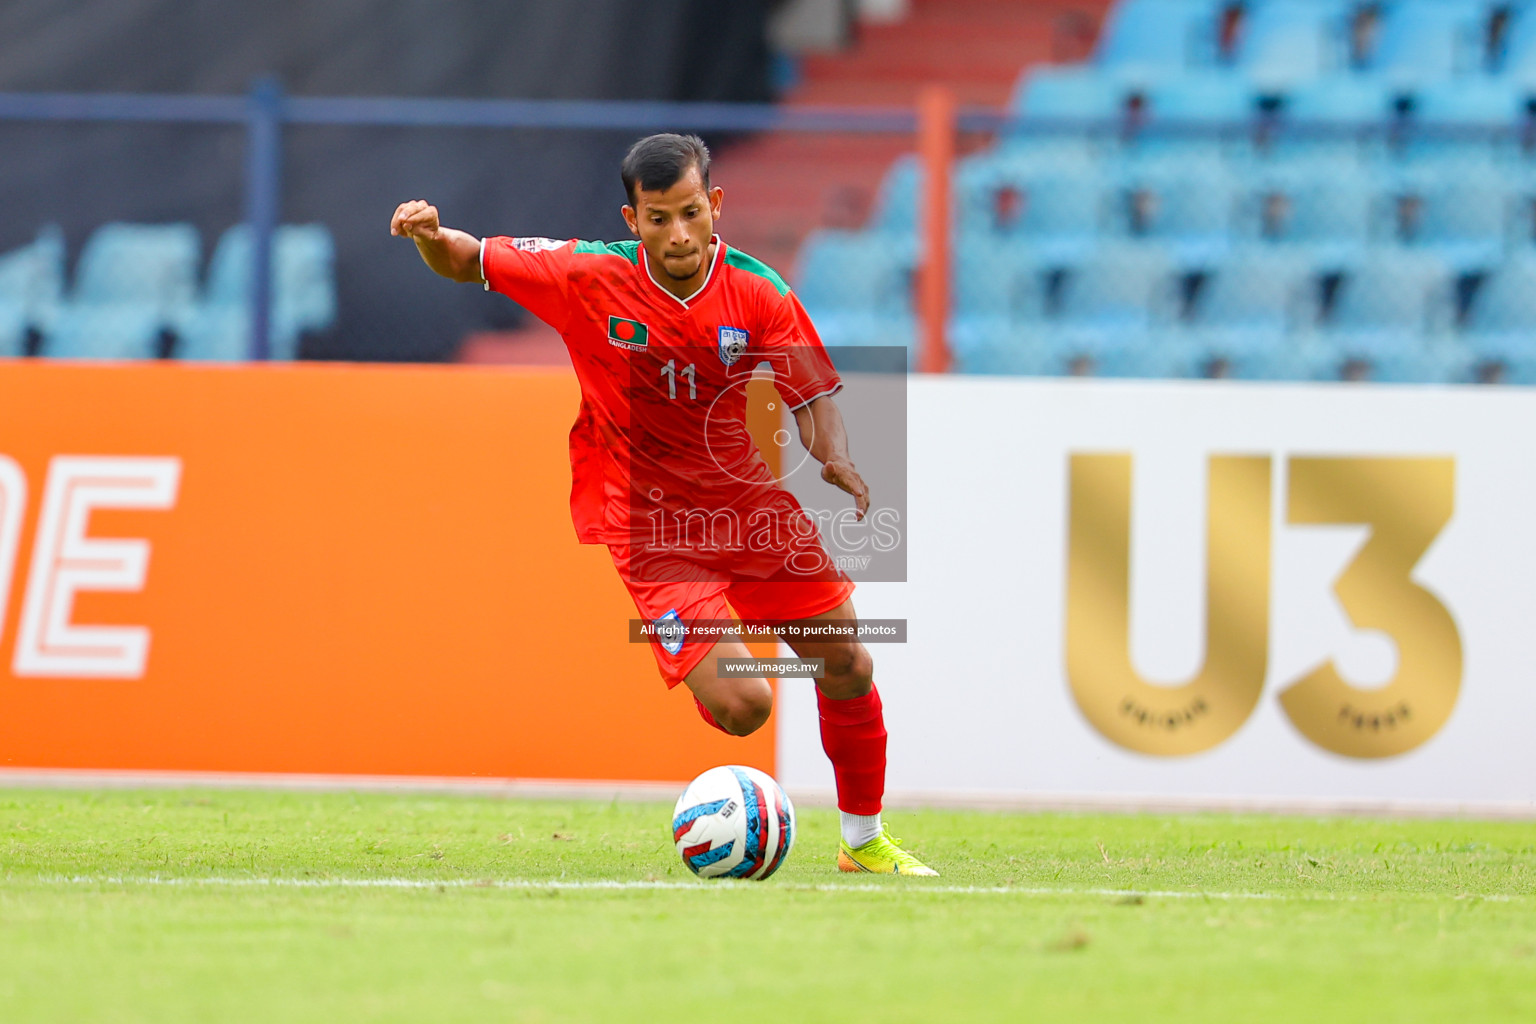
663	333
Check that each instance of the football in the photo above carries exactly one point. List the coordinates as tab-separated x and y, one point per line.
733	822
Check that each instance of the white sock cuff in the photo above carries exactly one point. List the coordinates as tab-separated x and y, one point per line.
859	829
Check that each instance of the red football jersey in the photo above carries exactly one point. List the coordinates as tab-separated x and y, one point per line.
661	440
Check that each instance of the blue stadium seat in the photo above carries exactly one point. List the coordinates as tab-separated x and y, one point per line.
34	274
1190	211
154	264
1051	143
1058	215
222	333
999	303
1492	101
1520	371
303	294
1157	36
133	281
1335	122
1253	303
13	327
1069	93
304	276
1050	351
1463	221
31	288
1501	319
1346	98
303	270
841	270
1443	362
1427	41
1063	114
977	180
1204	117
1116	297
863	330
1391	302
998	279
857	286
1324	217
1290	41
1519	60
895	206
1466	124
1160	354
1202	98
1302	359
977	183
105	330
998	345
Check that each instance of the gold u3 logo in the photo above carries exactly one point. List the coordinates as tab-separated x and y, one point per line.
1405	501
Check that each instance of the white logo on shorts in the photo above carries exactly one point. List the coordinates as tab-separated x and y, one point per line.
671	632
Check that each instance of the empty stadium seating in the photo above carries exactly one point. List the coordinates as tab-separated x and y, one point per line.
303	294
133	282
1151	37
31	289
861	287
1247	308
136	294
1501	320
1276	189
1288	41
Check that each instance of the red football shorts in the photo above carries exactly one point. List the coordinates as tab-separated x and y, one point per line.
708	597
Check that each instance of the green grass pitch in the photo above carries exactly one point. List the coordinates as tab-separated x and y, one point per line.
235	906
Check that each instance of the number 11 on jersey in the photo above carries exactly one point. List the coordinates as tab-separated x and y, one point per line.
670	372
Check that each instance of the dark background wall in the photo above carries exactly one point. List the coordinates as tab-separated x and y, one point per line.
487	181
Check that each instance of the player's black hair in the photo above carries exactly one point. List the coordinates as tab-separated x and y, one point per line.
657	162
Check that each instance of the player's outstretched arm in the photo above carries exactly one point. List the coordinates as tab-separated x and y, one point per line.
822	433
453	254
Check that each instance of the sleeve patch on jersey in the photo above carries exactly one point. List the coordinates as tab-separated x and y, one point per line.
536	244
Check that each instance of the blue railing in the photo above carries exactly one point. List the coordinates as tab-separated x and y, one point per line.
267	108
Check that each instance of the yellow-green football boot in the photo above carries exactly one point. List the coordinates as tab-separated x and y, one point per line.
882	855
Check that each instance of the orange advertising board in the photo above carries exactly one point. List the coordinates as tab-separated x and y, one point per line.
317	569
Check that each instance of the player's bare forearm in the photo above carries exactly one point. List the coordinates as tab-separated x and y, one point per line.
451	253
822	433
821	429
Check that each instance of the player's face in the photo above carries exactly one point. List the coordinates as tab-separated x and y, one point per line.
675	225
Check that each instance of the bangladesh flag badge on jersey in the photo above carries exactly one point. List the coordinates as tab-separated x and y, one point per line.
628	333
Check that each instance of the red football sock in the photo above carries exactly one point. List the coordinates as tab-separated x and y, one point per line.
704	714
853	735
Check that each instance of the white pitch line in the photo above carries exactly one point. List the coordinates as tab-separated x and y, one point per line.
602	884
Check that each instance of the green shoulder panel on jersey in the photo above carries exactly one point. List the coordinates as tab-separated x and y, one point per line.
753	265
629	250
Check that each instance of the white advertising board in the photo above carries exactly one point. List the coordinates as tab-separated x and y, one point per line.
1208	591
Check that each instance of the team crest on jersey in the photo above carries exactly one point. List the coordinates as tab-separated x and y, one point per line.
671	632
536	244
630	334
732	344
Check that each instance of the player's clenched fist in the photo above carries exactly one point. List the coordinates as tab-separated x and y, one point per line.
451	253
415	219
